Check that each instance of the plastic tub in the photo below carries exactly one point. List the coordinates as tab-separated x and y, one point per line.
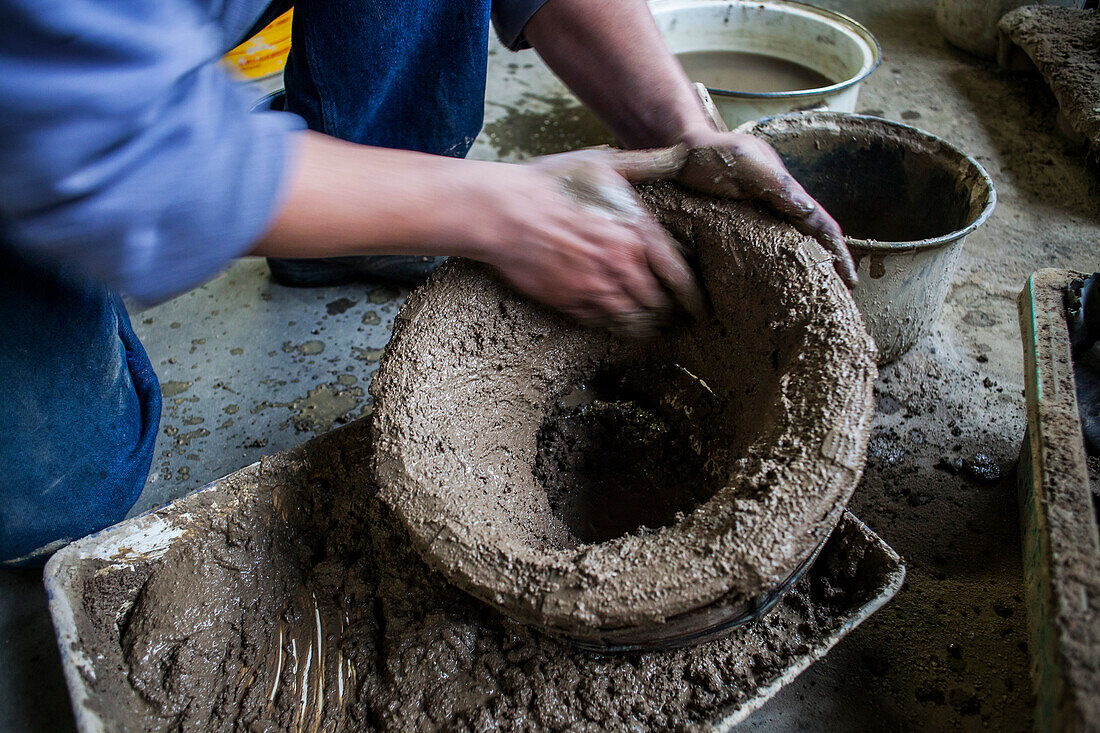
263	55
830	43
906	199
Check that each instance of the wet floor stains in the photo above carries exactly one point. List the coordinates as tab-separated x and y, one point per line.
309	348
338	306
172	388
371	356
324	407
185	439
562	125
385	294
277	370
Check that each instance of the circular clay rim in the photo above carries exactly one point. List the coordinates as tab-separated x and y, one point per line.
693	566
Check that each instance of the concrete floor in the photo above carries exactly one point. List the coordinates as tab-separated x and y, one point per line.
249	368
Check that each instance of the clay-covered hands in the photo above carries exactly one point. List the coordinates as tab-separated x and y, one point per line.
570	231
580	240
745	167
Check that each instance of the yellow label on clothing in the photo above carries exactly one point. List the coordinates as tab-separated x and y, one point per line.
265	53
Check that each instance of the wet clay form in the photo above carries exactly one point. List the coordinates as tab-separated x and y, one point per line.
1064	44
1059	513
622	492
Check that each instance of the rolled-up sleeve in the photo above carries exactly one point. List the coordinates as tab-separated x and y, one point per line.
509	19
127	152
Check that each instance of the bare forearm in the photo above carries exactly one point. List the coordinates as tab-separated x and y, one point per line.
611	54
567	230
345	199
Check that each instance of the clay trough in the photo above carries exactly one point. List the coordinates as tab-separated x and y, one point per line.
1059	512
283	597
620	493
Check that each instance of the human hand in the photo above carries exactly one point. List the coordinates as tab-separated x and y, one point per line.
742	166
570	231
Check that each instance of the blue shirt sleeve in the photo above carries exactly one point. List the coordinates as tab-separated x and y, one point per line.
509	19
127	152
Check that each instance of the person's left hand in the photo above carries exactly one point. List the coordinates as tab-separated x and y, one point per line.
742	166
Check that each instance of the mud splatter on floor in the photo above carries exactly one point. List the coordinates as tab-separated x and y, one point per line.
525	133
172	388
324	407
338	306
368	355
309	348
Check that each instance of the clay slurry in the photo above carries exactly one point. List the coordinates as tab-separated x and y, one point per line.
740	71
622	454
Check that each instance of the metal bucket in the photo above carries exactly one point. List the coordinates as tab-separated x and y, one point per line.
907	200
830	43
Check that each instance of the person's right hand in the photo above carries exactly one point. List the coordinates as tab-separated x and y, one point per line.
738	166
569	231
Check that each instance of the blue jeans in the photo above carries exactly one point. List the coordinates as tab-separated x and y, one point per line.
79	402
79	410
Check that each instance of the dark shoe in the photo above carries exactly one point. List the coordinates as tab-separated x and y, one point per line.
312	273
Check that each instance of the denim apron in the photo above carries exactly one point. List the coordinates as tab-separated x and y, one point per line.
407	74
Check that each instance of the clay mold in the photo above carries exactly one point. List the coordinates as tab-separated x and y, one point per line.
695	473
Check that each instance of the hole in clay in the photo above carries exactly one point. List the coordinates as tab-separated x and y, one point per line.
627	450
